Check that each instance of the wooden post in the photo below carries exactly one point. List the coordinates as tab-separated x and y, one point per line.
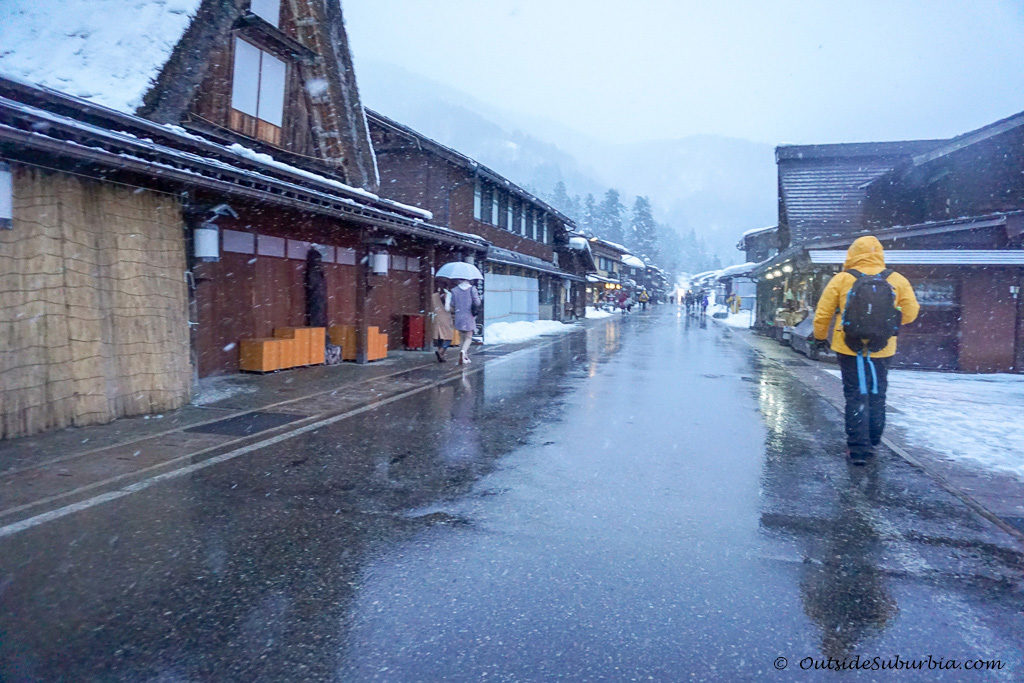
1019	341
427	268
362	299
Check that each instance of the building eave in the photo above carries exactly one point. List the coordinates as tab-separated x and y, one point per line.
91	147
475	167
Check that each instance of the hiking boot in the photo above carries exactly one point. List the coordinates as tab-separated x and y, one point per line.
859	459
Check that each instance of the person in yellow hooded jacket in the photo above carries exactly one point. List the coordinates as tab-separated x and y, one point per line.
865	412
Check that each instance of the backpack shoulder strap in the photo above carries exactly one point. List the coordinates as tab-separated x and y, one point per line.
886	273
854	272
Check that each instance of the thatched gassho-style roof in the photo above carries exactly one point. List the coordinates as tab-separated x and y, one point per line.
149	57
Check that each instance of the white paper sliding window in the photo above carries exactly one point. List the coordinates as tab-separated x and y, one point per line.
257	91
245	86
267	9
272	81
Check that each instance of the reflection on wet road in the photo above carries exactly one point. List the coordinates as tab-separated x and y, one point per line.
643	498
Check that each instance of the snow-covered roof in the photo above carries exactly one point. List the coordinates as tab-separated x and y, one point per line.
177	155
739	269
243	151
615	245
707	274
633	261
579	243
754	231
105	51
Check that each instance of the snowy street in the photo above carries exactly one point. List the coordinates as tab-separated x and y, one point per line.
645	496
348	340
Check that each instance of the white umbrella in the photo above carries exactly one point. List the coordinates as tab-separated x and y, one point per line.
459	270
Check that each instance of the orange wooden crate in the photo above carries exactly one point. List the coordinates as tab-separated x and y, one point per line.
377	344
345	337
292	353
305	351
317	339
261	355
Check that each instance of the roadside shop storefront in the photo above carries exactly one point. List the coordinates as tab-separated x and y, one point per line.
971	311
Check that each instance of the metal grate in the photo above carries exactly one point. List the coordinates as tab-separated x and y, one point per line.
244	425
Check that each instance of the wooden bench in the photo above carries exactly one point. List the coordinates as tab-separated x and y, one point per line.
345	336
290	347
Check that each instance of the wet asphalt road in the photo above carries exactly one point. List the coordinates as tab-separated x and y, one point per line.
643	499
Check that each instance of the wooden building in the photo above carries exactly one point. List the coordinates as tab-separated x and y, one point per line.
611	274
533	272
759	244
247	127
950	215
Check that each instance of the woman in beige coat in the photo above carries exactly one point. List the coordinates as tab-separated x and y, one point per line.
444	328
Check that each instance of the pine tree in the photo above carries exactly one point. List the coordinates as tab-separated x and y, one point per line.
588	221
560	198
644	233
575	208
610	222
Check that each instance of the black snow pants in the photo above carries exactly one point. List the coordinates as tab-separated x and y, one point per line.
865	415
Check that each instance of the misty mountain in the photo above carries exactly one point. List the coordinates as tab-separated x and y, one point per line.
460	121
717	186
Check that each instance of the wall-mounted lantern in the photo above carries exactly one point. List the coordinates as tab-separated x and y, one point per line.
787	268
6	197
777	273
379	262
205	232
377	258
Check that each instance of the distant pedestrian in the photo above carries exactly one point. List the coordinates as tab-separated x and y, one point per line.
444	327
872	302
703	303
464	303
643	299
624	301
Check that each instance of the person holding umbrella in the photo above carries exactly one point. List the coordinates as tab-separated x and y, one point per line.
443	324
465	302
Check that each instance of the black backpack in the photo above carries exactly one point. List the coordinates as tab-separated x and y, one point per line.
870	317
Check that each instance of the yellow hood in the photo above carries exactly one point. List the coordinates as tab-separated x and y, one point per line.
865	252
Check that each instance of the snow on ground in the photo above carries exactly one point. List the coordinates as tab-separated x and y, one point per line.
212	389
971	418
597	313
505	333
741	319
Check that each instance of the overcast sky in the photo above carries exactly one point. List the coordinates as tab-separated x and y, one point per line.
767	70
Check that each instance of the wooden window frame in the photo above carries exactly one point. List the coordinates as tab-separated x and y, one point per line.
253	125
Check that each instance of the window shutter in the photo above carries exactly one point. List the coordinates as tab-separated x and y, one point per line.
267	9
246	78
272	84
